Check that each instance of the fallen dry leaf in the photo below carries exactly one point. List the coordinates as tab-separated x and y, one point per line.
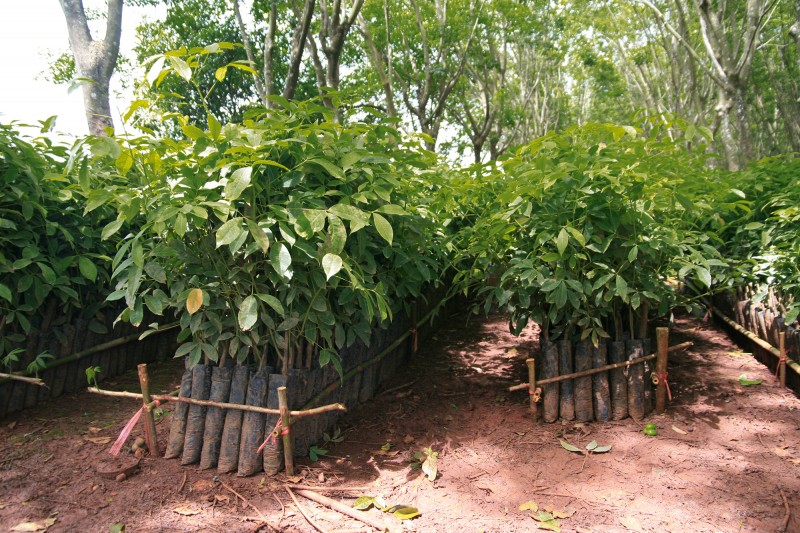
408	439
631	523
678	430
94	430
186	510
386	453
781	451
794	461
35	526
294	479
99	440
202	485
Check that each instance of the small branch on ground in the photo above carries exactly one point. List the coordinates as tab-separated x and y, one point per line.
302	512
344	509
785	525
183	483
399	387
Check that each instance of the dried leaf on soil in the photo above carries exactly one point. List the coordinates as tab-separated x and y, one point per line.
678	430
529	506
202	485
35	526
631	523
99	440
186	510
781	451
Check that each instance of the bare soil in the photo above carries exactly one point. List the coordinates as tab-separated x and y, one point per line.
726	457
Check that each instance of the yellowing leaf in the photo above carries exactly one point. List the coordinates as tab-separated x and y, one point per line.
194	301
186	510
530	505
429	467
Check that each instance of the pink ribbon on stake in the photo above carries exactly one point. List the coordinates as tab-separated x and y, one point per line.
271	436
126	431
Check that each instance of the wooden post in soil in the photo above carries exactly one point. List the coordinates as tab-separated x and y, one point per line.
532	388
782	358
149	421
662	349
286	430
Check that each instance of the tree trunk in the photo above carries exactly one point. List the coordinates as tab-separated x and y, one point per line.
298	44
94	60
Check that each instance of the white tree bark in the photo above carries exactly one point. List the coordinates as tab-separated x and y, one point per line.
94	60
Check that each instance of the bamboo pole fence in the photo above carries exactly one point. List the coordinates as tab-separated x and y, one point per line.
612	366
780	353
27	377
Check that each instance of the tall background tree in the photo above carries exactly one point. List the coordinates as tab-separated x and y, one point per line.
95	59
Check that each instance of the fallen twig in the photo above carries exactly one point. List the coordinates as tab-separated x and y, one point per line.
247	503
786	518
399	387
336	489
344	509
183	483
302	512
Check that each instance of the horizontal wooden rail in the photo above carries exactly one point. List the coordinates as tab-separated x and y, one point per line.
756	339
221	405
584	373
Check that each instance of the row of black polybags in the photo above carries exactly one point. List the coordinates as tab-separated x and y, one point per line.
611	395
228	439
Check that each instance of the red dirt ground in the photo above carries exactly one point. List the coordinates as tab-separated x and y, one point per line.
726	457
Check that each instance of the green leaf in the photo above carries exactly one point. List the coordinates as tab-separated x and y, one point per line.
258	235
744	381
194	301
111	228
281	260
229	231
363	503
273	302
383	227
602	449
403	512
87	268
569	447
5	292
180	66
331	264
622	287
332	169
592	445
248	313
633	254
116	528
703	275
238	181
562	240
391	209
577	235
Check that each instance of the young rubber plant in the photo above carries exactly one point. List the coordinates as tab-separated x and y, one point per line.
591	448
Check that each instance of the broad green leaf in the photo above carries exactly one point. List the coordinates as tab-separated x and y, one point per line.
87	268
248	313
229	231
349	212
238	181
363	503
577	235
155	271
192	132
337	235
383	227
744	381
391	209
5	292
180	66
703	275
592	445
331	264
258	235
281	260
601	449
403	512
194	301
562	240
569	447
273	302
111	228
622	287
331	168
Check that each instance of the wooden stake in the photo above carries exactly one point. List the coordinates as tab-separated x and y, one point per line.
782	358
662	351
532	388
286	431
149	420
